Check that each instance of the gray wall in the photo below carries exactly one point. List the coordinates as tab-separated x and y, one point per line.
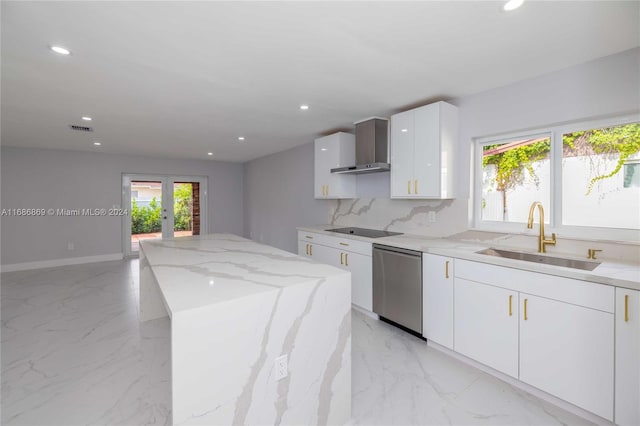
279	196
36	178
279	193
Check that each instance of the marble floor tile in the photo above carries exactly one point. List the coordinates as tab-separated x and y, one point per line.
74	353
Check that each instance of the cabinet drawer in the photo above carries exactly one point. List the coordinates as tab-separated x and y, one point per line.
344	244
582	293
355	246
314	238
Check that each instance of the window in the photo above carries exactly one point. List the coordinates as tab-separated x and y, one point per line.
587	176
515	173
594	191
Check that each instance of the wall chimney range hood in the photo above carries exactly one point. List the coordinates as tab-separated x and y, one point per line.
371	147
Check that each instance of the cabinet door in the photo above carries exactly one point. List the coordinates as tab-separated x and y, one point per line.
567	350
361	279
323	153
303	248
426	156
437	299
401	155
627	395
486	325
336	150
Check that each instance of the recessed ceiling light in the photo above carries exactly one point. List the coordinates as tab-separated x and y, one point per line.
85	118
304	107
97	143
240	138
512	4
404	130
209	153
61	50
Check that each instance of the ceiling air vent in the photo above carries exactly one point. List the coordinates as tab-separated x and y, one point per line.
81	128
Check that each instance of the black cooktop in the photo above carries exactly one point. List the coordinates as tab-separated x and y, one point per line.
363	232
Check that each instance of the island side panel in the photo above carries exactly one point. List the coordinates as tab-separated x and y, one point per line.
151	302
223	358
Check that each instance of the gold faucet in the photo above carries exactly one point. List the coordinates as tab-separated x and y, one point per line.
542	242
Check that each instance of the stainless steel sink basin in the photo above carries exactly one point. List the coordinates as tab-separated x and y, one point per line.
537	258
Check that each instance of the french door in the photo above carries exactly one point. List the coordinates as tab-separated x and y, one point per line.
162	206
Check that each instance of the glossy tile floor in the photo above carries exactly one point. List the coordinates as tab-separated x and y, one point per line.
74	353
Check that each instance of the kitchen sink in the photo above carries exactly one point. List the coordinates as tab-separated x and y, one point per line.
538	258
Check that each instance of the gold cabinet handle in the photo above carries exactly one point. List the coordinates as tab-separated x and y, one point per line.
307	249
327	190
525	310
409	186
344	244
415	186
510	309
341	258
446	269
310	250
346	259
309	237
626	308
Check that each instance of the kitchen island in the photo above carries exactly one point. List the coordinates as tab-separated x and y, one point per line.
236	307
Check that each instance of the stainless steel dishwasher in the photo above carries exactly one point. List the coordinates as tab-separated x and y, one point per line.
397	286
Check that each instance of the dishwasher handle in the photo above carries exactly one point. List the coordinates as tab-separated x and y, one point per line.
398	250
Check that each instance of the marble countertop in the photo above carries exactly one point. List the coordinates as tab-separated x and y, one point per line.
615	273
208	269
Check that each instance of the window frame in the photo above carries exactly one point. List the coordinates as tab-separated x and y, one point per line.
554	210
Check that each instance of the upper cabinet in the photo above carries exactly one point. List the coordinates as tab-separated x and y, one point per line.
336	150
422	150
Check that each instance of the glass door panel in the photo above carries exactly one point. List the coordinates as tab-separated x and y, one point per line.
162	207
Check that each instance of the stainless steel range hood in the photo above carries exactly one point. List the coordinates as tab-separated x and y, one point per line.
371	147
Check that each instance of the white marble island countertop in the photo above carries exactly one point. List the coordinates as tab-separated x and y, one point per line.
258	335
199	271
610	272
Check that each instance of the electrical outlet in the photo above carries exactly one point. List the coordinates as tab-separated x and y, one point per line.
431	216
281	367
70	246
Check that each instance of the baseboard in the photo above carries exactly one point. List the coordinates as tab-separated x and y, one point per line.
365	311
587	415
25	266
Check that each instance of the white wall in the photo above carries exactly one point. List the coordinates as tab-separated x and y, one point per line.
604	87
279	196
36	178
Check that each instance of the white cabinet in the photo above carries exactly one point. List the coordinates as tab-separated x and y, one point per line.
627	324
422	151
567	350
437	299
350	255
336	150
486	325
554	333
361	279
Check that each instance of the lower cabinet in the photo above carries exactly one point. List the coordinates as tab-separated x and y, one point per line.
486	325
437	299
627	404
361	278
553	333
353	256
567	351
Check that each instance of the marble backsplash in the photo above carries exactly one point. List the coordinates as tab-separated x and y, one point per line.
407	216
452	218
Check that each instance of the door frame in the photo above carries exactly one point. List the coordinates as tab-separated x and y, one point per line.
167	183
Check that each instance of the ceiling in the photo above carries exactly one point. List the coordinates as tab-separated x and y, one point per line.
174	79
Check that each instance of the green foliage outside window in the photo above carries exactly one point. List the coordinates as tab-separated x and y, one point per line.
147	219
622	141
